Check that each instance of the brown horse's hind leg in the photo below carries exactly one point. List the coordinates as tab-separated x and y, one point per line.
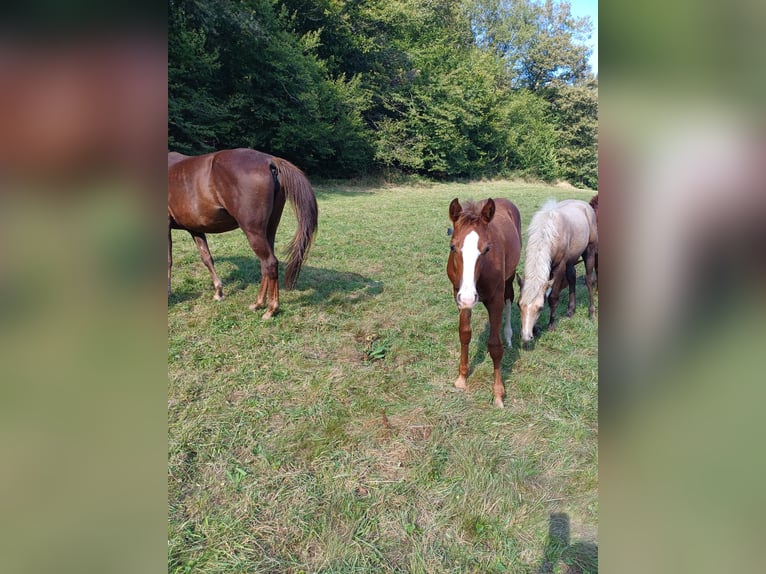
571	278
207	259
268	294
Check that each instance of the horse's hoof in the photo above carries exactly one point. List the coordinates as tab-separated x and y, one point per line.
267	315
570	313
218	297
460	384
499	403
256	306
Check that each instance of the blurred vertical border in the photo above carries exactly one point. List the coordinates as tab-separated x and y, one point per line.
83	128
682	308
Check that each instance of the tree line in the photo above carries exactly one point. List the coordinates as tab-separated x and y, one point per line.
442	88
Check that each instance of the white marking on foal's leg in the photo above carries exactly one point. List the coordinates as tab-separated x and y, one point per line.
508	328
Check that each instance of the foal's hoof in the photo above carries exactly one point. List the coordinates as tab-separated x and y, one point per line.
460	384
499	402
570	312
255	306
267	315
218	297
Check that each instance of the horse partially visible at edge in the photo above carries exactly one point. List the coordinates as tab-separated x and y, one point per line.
558	235
484	251
244	188
594	204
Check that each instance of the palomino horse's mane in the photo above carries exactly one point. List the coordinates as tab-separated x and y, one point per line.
542	232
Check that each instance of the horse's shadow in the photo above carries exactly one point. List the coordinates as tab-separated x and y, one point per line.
316	285
578	558
182	295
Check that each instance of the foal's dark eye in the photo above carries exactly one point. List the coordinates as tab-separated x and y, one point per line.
486	249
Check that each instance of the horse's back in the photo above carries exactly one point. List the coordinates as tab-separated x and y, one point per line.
220	191
508	215
582	221
507	220
174	157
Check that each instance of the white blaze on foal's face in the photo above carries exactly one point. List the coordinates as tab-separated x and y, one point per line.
467	296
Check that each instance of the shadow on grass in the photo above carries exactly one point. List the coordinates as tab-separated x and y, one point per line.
577	558
182	295
320	286
315	285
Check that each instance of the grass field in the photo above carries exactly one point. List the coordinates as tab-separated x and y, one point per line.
331	438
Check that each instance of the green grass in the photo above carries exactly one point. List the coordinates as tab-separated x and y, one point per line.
331	438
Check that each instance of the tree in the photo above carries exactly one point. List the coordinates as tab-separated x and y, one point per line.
541	43
576	111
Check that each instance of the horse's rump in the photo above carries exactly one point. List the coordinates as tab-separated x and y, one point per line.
220	191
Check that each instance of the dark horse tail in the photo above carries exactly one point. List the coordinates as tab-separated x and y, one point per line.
301	196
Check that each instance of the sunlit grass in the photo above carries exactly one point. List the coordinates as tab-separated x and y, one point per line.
331	438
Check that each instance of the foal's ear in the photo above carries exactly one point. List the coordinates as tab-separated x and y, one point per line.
488	211
455	209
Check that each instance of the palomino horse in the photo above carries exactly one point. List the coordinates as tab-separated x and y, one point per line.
242	188
558	235
484	251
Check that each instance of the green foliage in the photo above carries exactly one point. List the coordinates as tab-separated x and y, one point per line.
533	137
443	89
540	42
576	111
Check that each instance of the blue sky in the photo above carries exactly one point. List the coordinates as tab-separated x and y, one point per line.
589	8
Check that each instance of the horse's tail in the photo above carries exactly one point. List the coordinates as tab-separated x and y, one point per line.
301	195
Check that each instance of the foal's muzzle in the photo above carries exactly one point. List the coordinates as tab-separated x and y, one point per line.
466	300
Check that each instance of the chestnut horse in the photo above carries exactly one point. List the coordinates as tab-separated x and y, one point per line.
484	251
243	188
558	235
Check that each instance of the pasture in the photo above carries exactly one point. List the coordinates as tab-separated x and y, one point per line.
331	438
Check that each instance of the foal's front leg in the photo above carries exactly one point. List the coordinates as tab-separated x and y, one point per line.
465	340
495	347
